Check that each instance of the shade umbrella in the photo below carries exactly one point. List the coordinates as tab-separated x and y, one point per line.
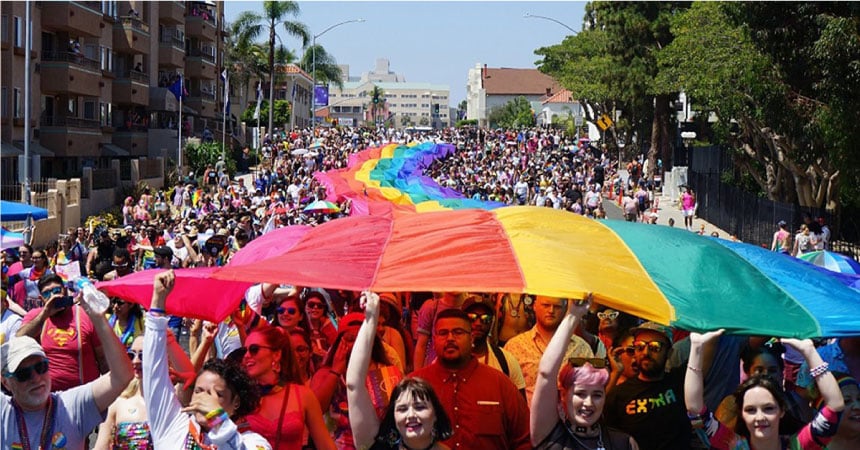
322	206
13	211
299	151
10	239
658	273
833	261
195	293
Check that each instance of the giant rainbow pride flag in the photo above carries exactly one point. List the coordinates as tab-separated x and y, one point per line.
383	180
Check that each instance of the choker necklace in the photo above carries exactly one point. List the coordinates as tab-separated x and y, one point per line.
584	430
600	445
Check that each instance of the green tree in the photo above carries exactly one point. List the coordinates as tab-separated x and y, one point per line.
376	104
283	110
405	121
783	84
275	13
198	156
328	72
516	113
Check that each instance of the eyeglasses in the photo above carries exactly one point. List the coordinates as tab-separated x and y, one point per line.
486	318
132	354
315	305
118	302
303	349
629	350
654	346
290	310
39	257
253	349
597	363
607	315
52	292
119	265
456	332
23	374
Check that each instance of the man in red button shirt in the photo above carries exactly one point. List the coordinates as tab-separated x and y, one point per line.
484	405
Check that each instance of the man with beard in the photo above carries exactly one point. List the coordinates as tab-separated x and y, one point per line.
528	347
651	406
483	404
481	315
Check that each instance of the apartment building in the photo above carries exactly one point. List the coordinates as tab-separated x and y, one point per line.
406	103
100	74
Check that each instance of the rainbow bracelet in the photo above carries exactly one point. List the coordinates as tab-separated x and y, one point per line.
819	370
216	417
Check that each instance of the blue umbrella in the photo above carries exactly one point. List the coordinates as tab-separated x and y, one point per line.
12	211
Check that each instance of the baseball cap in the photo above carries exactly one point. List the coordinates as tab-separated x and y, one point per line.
477	300
655	327
17	350
163	251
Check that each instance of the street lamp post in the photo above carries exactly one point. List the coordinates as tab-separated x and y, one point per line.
535	16
314	69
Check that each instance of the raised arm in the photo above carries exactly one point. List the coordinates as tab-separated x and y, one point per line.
694	381
107	387
545	399
826	383
362	415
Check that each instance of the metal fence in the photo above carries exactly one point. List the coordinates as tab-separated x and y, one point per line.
752	218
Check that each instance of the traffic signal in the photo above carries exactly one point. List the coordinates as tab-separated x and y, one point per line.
375	98
436	109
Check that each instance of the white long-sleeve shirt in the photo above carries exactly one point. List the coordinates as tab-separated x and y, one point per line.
167	423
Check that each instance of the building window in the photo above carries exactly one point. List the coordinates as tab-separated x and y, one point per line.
90	110
109	8
104	114
18	30
106	58
17	104
73	107
4	28
4	102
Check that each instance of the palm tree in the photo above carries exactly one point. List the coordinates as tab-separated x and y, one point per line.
375	108
327	69
245	59
274	13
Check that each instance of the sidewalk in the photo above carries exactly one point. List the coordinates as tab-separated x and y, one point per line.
665	209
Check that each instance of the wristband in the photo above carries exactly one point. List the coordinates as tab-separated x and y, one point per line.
819	370
694	369
216	417
157	311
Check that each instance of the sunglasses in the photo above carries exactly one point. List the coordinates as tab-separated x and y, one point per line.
118	302
290	310
629	350
253	349
52	292
610	315
303	349
654	346
23	374
486	318
132	354
119	265
315	305
597	363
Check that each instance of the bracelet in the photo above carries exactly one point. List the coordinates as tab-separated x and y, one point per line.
694	369
819	370
158	312
216	417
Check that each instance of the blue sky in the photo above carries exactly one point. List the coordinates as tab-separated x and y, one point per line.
434	42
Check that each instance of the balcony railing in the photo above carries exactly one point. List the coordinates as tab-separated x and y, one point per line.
204	95
134	22
72	58
173	37
74	122
203	13
203	54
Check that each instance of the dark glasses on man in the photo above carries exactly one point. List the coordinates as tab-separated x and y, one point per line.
290	310
607	315
123	265
654	346
597	363
48	293
486	318
23	374
253	349
118	302
132	354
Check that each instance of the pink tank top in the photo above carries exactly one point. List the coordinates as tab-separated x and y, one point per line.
292	425
688	201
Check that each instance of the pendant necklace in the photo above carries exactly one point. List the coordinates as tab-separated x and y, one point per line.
515	309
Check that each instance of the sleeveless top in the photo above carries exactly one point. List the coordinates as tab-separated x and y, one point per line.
132	436
292	424
560	438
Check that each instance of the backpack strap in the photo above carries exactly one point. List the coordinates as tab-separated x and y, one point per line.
503	362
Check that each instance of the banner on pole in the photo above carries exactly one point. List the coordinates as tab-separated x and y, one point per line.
321	95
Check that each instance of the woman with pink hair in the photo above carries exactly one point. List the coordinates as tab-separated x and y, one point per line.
582	383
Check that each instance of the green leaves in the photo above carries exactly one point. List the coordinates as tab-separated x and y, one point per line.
516	113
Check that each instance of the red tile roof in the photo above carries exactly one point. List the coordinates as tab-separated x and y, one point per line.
292	68
507	81
562	96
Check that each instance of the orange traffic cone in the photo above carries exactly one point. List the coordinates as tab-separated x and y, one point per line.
620	195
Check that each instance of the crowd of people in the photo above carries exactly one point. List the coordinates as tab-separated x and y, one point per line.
300	367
